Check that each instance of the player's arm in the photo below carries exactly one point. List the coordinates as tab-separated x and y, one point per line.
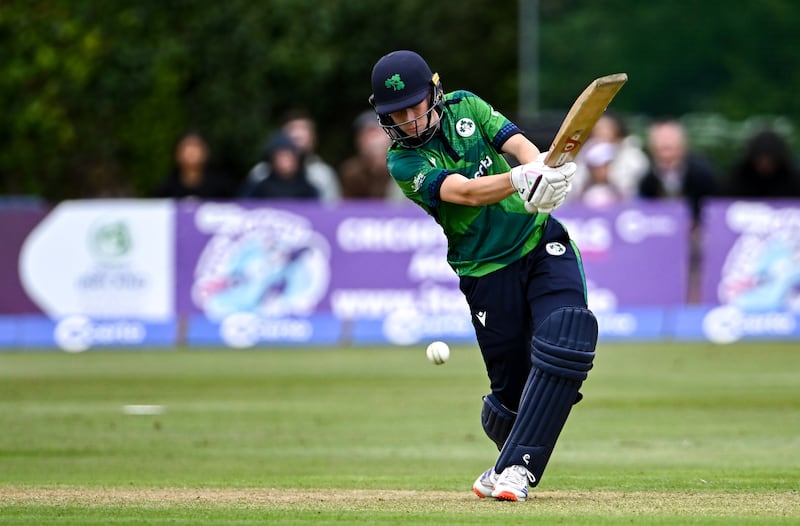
488	189
480	191
521	148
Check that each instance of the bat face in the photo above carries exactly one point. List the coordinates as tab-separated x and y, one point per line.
578	124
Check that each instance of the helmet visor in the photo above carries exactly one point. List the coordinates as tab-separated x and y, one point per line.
413	132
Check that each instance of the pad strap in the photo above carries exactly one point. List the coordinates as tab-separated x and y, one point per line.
497	420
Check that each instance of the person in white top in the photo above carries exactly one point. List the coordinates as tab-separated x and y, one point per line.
629	164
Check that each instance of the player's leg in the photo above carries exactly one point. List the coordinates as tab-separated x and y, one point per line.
503	330
562	353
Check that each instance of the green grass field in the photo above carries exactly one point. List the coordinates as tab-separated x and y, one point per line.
667	434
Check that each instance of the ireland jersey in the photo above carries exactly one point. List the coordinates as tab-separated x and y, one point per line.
481	239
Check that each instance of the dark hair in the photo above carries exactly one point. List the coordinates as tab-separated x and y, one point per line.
619	122
782	181
294	114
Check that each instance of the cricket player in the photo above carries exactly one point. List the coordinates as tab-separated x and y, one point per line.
520	272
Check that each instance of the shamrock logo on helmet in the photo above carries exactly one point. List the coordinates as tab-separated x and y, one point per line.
395	82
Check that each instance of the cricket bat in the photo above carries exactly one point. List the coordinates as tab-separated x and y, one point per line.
584	114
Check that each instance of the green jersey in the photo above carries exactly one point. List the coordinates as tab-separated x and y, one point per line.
481	239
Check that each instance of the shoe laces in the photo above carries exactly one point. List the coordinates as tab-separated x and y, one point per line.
518	476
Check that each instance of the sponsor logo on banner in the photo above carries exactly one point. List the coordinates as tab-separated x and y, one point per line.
102	259
594	235
728	324
761	272
634	226
244	330
79	333
603	303
264	261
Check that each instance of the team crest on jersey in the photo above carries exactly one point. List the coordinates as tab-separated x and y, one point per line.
465	127
555	248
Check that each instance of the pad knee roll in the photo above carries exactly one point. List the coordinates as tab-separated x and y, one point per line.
564	343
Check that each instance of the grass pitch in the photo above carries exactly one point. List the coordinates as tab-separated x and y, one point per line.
666	434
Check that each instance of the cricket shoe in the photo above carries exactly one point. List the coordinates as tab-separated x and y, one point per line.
512	484
484	485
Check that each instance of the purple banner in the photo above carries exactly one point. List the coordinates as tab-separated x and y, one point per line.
752	255
634	255
262	273
368	260
360	260
364	260
15	225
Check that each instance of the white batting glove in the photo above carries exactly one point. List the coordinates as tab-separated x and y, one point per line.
547	209
554	196
542	188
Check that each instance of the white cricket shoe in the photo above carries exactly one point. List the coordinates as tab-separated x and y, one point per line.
512	484
484	485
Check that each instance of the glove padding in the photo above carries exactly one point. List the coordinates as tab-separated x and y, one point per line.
543	189
548	208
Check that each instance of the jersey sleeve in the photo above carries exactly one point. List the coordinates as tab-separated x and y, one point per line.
417	177
495	125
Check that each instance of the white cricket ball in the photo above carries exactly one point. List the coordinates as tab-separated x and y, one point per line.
438	352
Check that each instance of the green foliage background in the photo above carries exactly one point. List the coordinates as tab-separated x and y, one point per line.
93	95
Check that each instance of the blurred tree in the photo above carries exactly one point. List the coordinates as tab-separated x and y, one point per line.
681	56
93	94
84	98
713	61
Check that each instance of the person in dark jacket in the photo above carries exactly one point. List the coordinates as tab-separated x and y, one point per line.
192	176
676	172
287	178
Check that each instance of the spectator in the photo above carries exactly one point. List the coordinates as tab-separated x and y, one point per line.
599	191
767	169
287	179
191	176
365	175
629	164
676	172
300	127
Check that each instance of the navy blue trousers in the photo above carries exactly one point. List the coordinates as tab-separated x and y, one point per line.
508	304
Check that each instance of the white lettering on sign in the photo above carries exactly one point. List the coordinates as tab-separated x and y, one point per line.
377	303
397	234
79	333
